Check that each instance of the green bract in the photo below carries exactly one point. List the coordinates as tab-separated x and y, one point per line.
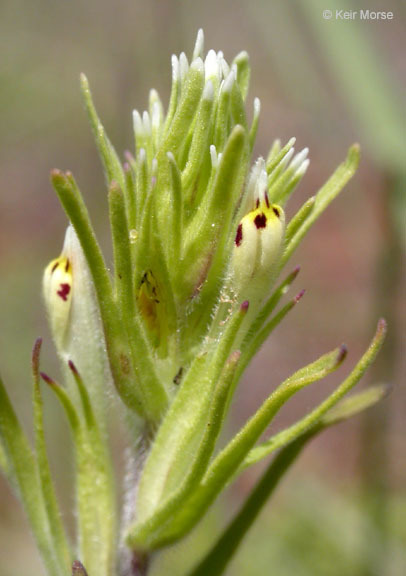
199	241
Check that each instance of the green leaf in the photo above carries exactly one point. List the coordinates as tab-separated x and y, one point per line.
4	465
200	141
292	432
185	113
180	434
97	506
212	225
111	163
44	473
242	62
230	458
116	340
298	219
22	469
275	162
326	194
354	404
151	391
218	558
95	498
251	345
139	534
255	122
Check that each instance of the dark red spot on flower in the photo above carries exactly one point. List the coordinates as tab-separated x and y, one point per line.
257	203
64	291
238	236
67	265
260	221
54	267
266	199
276	211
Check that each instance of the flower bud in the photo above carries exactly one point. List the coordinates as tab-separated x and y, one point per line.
257	246
75	322
57	290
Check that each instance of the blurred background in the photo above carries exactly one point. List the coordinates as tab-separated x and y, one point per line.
342	509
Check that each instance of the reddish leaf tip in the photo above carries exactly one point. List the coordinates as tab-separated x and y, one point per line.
342	353
128	156
382	326
47	379
299	296
73	367
78	569
244	306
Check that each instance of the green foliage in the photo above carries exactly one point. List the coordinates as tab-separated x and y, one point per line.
199	240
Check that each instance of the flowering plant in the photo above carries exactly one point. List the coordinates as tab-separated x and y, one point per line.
199	241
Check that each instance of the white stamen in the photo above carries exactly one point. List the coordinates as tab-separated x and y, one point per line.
211	66
199	45
154	166
138	124
142	156
287	158
302	168
229	82
156	116
198	65
261	184
208	92
183	65
175	69
224	67
147	123
298	159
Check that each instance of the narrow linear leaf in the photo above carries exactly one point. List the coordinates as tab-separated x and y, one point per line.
271	304
182	426
116	341
176	224
138	535
298	219
242	63
61	546
251	345
23	471
200	139
4	465
130	179
186	110
151	391
111	163
217	559
220	555
97	506
327	193
230	458
292	432
123	271
255	123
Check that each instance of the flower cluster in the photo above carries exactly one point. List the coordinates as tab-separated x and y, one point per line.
199	242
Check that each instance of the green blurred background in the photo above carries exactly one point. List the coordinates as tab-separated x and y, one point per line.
342	509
